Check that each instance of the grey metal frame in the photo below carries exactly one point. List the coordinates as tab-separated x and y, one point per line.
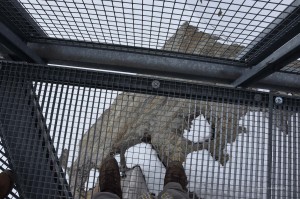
14	43
158	65
163	64
275	35
260	73
277	60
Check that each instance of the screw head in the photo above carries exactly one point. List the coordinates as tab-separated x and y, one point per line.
155	84
257	97
278	100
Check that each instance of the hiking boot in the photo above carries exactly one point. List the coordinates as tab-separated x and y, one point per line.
7	180
175	173
110	180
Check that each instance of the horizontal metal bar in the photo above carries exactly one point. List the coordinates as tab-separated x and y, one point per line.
156	65
278	59
122	82
279	81
138	50
15	44
129	83
136	63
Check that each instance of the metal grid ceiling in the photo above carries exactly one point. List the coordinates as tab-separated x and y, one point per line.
293	67
233	143
150	24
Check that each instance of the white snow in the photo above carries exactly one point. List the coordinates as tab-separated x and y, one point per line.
199	131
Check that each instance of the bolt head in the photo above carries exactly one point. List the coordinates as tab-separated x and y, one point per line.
155	84
278	100
257	97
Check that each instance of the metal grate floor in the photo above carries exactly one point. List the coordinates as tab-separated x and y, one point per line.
59	124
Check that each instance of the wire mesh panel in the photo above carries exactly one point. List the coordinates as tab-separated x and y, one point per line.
5	165
28	144
285	150
200	26
232	143
293	67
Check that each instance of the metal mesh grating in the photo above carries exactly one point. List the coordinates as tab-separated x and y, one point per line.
192	27
284	151
232	143
4	165
293	67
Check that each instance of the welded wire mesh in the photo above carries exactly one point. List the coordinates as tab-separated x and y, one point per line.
285	151
190	26
293	67
232	143
4	165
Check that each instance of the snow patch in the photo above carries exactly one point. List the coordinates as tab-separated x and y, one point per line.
199	131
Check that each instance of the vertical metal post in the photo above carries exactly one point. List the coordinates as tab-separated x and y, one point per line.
270	147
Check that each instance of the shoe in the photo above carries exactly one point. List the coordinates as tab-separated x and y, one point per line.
175	173
7	181
110	180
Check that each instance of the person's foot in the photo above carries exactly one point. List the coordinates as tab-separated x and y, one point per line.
175	173
7	180
110	180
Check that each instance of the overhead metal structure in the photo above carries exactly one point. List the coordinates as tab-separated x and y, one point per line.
277	60
84	33
15	44
236	44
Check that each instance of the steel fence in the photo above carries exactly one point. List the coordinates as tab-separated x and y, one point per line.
58	123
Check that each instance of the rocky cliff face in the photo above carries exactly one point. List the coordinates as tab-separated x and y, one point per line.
134	118
188	39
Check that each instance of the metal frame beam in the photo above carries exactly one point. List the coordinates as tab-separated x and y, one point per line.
157	65
15	44
135	83
121	82
277	60
136	63
281	30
